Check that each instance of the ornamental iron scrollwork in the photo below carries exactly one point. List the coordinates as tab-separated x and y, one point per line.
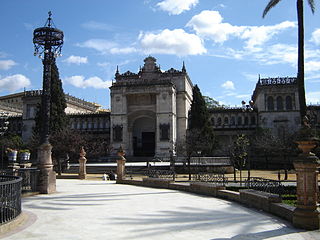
117	132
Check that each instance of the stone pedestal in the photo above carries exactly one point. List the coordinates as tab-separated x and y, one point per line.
47	177
82	164
121	161
306	215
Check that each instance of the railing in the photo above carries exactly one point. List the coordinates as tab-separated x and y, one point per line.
10	197
265	185
164	174
217	179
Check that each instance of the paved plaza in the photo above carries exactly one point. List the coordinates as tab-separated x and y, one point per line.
105	210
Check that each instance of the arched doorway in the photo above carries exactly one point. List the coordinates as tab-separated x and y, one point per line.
143	134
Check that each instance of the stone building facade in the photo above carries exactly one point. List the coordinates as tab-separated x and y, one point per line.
149	109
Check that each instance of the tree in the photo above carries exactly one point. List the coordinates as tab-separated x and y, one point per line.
199	137
58	118
239	153
211	103
300	75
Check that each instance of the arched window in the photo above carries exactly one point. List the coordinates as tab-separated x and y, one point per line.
270	104
226	121
239	120
233	121
279	103
219	121
253	120
246	121
288	103
212	121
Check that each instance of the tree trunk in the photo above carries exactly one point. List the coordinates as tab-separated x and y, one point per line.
300	75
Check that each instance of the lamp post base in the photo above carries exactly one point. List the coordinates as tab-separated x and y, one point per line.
47	177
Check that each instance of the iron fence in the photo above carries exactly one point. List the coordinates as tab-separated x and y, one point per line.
164	174
10	197
265	185
216	178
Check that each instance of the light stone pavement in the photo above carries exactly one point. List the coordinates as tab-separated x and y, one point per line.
104	210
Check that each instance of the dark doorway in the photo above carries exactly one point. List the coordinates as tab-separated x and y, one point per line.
146	148
148	143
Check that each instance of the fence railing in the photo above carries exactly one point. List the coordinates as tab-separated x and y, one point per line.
10	197
164	174
29	177
215	178
265	185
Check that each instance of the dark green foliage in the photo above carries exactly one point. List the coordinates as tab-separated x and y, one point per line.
198	115
59	120
211	103
200	136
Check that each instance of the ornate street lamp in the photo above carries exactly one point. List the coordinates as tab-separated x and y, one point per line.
48	42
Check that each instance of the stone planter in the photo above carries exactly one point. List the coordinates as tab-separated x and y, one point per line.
12	156
24	157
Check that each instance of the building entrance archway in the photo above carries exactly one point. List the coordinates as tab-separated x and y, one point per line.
143	135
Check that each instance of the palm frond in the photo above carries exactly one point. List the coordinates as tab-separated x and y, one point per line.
270	5
312	5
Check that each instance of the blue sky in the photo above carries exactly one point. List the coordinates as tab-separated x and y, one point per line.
225	44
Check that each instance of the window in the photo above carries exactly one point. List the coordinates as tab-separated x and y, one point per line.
279	103
226	121
253	120
289	103
117	133
239	120
233	121
164	132
219	121
246	121
212	122
270	104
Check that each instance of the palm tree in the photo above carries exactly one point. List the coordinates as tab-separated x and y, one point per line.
300	75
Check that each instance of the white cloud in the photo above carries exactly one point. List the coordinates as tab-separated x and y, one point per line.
126	50
176	42
210	25
257	36
76	60
93	25
93	82
6	64
106	47
176	7
229	85
316	36
100	45
14	82
313	97
312	66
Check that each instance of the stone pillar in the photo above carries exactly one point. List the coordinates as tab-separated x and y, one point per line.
121	161
306	215
82	164
47	177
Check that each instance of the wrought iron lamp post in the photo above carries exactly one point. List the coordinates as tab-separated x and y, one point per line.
48	42
3	128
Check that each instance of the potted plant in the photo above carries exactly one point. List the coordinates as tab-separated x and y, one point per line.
12	154
24	155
